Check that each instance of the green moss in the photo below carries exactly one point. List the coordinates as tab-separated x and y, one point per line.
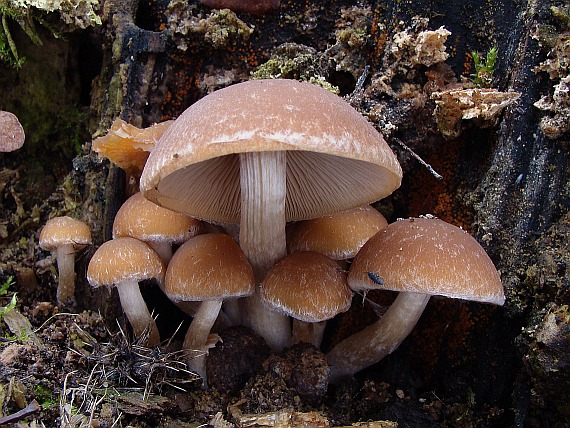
484	68
224	28
45	397
299	62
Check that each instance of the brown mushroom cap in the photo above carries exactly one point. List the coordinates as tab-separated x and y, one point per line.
336	160
307	286
144	220
208	267
338	236
429	256
12	134
124	259
64	230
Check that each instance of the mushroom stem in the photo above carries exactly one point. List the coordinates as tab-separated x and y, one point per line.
308	332
262	235
137	312
163	249
65	255
370	345
197	336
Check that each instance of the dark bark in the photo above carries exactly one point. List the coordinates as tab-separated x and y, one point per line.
507	184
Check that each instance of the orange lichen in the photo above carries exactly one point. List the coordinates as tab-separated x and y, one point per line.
128	146
379	36
440	197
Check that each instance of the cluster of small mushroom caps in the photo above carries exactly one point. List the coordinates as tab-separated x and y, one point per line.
296	168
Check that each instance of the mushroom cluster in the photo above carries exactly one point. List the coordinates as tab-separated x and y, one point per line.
143	236
294	168
263	153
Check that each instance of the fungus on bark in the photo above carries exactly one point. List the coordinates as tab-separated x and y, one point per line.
418	257
65	236
209	269
157	226
122	263
262	153
311	288
338	236
128	147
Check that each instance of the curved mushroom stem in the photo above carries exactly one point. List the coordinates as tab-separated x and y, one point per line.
65	255
137	312
370	345
197	336
262	236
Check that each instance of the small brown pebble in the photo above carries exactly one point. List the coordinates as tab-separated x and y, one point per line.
236	358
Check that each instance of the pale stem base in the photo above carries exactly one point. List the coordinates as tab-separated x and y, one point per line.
137	312
65	255
197	336
370	345
308	332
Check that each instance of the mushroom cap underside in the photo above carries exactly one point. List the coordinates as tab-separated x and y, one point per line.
336	160
429	256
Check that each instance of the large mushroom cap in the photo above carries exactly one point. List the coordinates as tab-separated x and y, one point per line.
144	220
336	160
208	267
124	259
429	256
307	286
64	231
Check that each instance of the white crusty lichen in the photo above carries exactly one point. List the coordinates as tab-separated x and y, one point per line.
558	105
425	47
556	122
479	104
80	13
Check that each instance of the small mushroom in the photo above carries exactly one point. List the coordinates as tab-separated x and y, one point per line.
208	268
338	236
12	134
262	153
157	226
122	263
311	288
417	257
65	236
